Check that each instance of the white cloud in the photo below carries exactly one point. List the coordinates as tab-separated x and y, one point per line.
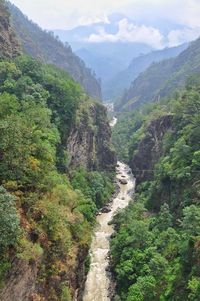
88	20
178	37
67	14
189	12
129	32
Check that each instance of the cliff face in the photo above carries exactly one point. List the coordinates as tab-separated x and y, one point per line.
21	281
89	143
150	148
8	42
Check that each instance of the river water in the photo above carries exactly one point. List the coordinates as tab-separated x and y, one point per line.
98	282
113	122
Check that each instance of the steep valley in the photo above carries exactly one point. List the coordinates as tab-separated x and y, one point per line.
93	209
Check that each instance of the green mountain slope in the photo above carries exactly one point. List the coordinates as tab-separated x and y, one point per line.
162	79
116	86
46	47
155	250
50	191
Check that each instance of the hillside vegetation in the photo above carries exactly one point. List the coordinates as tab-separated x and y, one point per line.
9	44
49	49
114	88
162	79
44	213
155	251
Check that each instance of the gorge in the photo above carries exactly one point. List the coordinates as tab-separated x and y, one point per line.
95	207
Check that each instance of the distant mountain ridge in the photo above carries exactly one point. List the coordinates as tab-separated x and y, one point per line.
115	87
162	79
108	59
46	47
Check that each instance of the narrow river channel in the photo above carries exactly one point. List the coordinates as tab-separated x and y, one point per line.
98	282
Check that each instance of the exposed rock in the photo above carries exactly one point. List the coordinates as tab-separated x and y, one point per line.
123	181
106	209
9	46
150	148
89	143
20	282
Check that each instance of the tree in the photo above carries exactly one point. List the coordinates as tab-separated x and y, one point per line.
9	220
165	218
191	220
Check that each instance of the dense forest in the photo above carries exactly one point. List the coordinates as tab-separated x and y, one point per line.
155	251
114	88
44	213
161	79
59	174
48	204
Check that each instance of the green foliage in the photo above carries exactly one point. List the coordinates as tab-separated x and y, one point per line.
38	106
96	186
29	251
155	254
46	47
194	287
65	296
163	78
9	220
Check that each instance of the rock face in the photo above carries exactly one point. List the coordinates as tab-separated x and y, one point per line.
20	283
89	143
9	46
150	148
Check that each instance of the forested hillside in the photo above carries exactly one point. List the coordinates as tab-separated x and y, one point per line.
114	88
48	204
43	218
155	251
162	79
49	49
9	44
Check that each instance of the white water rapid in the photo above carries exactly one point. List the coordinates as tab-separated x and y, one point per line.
98	282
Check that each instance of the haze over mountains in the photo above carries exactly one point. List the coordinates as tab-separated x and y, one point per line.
59	176
111	47
44	46
162	79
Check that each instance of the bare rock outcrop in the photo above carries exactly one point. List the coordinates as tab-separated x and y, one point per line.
89	143
150	148
9	45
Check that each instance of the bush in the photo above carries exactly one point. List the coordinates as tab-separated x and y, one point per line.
9	220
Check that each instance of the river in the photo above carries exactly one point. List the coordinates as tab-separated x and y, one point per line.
113	122
98	281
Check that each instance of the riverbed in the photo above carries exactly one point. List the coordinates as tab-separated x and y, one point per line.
98	280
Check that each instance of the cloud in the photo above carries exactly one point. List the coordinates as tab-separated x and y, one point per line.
178	37
189	12
129	32
94	19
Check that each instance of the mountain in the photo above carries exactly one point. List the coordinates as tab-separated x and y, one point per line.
9	44
162	79
50	50
108	59
113	89
157	236
56	171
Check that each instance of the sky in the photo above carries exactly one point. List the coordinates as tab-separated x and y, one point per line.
145	15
